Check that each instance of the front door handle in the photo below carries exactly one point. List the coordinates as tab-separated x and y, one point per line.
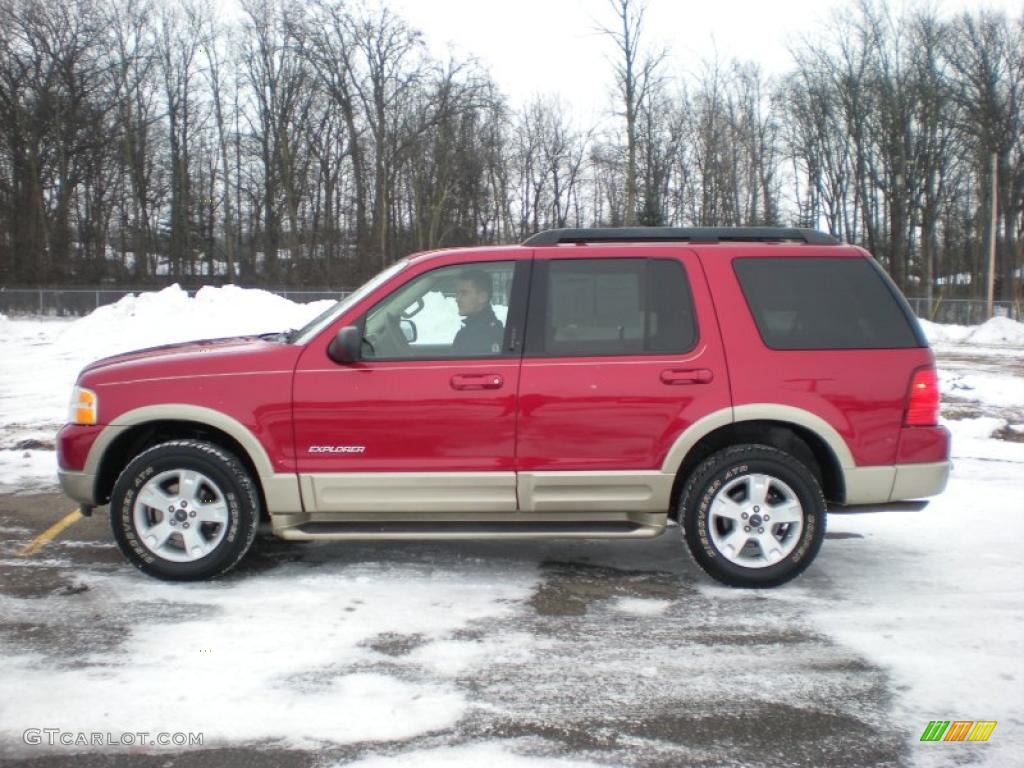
687	376
477	381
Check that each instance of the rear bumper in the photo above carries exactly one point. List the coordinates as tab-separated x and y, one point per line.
922	445
914	481
877	485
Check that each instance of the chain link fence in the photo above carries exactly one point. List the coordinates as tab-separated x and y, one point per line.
962	311
77	302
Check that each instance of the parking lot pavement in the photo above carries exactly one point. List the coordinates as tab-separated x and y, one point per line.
598	653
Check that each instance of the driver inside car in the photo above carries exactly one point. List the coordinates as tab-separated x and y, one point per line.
395	328
482	332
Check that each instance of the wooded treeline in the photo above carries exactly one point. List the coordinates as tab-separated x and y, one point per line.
311	143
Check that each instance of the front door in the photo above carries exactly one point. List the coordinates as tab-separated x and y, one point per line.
425	421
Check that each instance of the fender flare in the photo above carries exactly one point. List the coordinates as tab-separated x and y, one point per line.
757	412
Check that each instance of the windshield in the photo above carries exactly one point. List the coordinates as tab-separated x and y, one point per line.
309	331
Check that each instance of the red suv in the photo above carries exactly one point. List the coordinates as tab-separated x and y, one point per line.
589	383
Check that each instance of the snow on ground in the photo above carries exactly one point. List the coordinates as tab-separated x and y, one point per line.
986	388
937	599
490	755
226	655
940	600
25	469
638	606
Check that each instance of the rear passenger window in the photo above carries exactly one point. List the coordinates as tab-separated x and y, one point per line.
610	307
819	303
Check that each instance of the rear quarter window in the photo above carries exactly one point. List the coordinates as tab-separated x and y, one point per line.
825	303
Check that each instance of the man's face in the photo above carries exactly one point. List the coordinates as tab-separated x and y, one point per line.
469	298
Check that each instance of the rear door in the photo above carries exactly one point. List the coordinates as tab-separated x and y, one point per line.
622	355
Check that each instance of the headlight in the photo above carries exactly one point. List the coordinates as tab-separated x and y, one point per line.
84	405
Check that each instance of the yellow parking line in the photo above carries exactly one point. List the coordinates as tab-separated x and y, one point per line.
50	533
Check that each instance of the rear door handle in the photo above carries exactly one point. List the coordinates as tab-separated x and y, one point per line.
687	376
477	381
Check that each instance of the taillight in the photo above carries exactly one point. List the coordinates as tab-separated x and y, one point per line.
923	399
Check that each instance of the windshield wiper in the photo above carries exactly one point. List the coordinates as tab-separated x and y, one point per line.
285	336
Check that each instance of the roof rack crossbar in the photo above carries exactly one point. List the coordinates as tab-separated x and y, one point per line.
676	234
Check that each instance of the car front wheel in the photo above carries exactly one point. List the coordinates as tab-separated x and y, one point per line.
753	516
184	510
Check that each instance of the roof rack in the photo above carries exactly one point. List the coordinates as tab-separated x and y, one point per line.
676	234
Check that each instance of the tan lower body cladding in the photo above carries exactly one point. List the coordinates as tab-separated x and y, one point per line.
488	492
464	505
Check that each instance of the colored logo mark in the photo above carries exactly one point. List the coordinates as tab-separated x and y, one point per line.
958	730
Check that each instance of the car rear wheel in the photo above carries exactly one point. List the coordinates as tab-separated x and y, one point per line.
753	516
184	510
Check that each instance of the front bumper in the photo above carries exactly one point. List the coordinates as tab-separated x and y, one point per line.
79	486
77	477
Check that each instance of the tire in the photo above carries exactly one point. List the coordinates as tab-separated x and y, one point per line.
753	516
214	517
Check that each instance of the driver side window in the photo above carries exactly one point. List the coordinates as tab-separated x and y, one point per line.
450	312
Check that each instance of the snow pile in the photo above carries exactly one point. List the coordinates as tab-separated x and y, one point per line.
942	333
997	331
44	356
170	315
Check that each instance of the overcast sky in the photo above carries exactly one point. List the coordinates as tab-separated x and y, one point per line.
551	46
548	47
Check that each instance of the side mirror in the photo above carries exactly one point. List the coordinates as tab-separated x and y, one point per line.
346	346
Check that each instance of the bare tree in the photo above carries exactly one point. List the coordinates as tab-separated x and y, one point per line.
325	137
985	53
635	73
179	36
213	41
132	48
280	82
934	138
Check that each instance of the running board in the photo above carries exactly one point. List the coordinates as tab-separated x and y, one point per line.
358	530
